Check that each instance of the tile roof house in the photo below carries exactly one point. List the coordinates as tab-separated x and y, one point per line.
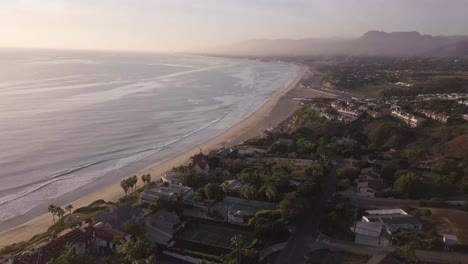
82	240
199	163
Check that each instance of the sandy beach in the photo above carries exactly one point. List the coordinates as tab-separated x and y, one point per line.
271	113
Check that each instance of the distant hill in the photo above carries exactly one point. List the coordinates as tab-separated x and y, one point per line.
371	43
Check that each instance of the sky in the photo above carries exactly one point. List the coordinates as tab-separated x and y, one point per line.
186	25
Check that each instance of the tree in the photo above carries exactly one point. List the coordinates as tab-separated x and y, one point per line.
251	176
305	146
292	206
248	192
69	257
124	185
146	179
69	208
407	253
415	156
349	172
271	192
212	191
60	212
53	210
238	242
133	228
134	182
389	170
140	251
409	185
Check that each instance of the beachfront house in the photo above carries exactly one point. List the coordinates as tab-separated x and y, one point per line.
82	240
172	191
172	177
199	163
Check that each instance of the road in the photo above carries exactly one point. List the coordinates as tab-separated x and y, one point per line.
307	233
423	255
383	203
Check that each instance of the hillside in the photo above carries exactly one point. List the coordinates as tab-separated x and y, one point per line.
371	43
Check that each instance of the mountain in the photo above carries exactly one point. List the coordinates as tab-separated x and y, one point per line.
371	43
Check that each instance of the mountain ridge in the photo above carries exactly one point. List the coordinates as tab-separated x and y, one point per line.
373	42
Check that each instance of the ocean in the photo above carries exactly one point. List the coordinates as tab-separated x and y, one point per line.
72	122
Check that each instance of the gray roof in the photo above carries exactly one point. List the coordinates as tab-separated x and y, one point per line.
394	219
162	225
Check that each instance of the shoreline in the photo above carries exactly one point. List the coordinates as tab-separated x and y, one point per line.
273	111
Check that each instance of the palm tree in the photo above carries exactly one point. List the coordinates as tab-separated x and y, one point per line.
148	178
60	212
271	192
124	185
143	179
134	181
53	210
238	241
248	192
69	208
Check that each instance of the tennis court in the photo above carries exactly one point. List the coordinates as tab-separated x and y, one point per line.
214	235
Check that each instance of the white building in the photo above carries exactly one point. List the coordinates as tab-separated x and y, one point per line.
409	119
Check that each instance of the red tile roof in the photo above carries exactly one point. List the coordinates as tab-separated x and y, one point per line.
55	248
200	159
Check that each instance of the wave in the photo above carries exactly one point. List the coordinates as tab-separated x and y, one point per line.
64	175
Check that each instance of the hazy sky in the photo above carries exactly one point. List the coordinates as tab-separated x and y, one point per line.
177	25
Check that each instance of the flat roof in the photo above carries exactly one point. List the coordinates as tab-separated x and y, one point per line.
387	211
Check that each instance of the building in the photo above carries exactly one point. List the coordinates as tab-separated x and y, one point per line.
465	117
370	188
173	192
199	163
238	210
172	177
409	119
368	233
235	217
350	112
395	223
439	117
375	114
82	240
162	226
371	173
450	240
233	185
285	142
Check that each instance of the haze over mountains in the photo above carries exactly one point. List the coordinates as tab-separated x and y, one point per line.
371	43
